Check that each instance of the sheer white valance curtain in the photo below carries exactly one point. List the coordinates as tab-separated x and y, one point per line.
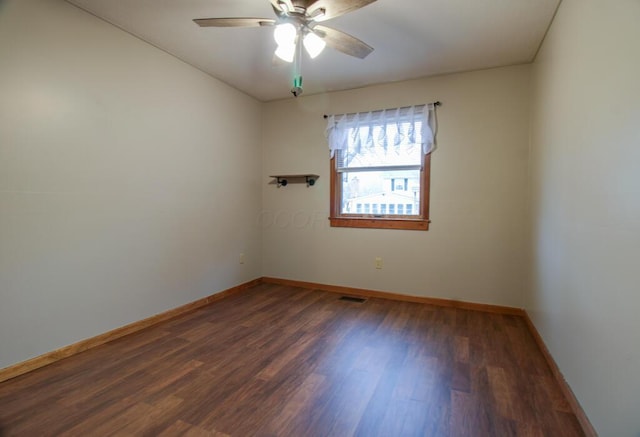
387	127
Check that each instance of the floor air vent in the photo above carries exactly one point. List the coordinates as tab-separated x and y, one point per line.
353	299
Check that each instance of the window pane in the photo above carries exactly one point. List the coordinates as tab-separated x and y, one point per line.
376	190
378	156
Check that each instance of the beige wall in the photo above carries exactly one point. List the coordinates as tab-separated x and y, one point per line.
585	180
129	181
475	249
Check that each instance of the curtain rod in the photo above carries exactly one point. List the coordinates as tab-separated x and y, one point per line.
436	103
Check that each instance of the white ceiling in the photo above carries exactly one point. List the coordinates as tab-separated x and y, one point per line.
412	39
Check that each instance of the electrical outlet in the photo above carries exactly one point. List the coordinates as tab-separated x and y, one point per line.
242	258
378	262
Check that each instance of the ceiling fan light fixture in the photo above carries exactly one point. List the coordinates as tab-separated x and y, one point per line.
313	44
286	52
285	34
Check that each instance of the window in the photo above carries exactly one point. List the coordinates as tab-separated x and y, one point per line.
382	158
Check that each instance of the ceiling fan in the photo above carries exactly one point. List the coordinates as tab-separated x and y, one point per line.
299	20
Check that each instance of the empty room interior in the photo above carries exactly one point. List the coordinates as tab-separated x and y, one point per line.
416	217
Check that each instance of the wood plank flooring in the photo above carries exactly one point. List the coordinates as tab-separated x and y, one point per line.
284	361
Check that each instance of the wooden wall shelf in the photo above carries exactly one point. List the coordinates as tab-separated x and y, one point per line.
285	179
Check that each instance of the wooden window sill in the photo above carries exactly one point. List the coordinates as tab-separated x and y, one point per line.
380	223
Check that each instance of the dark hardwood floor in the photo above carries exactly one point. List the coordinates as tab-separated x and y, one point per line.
285	361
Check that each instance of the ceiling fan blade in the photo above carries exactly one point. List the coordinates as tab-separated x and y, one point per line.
277	5
343	42
335	8
234	22
277	11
